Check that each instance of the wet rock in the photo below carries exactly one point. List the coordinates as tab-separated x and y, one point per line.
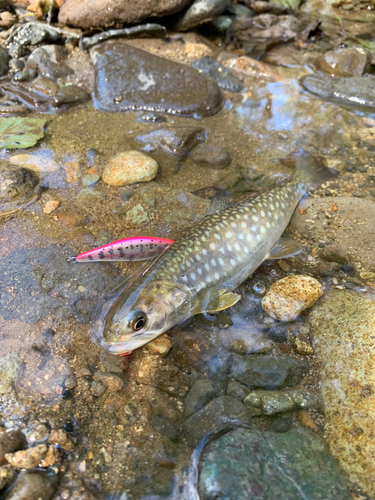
128	168
87	14
211	156
4	68
27	459
247	66
70	94
177	142
237	390
349	61
71	219
222	76
355	91
217	26
271	402
354	245
164	426
343	330
10	442
137	216
34	485
11	368
200	395
199	12
281	422
268	372
60	438
112	382
48	61
288	297
38	433
245	464
7	476
129	78
161	345
16	182
50	206
29	34
221	414
150	30
278	333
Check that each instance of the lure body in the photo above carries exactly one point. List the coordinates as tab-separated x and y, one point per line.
129	249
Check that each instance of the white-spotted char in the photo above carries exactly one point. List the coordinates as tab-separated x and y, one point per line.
201	269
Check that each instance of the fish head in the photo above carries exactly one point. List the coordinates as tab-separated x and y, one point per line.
144	315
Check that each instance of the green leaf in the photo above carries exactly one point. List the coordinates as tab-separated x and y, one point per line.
18	132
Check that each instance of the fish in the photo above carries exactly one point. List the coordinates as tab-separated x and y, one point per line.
201	270
135	248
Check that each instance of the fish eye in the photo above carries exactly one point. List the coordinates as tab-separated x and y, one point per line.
138	321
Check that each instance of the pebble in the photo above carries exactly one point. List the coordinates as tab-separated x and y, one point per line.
248	464
151	118
42	162
112	382
84	372
164	426
11	441
199	12
303	346
268	372
161	345
70	94
121	83
48	61
137	216
34	485
16	182
11	369
60	438
348	61
211	156
38	433
50	206
343	329
272	402
128	168
288	297
98	389
7	476
237	390
222	76
306	420
27	459
221	414
70	383
199	396
90	180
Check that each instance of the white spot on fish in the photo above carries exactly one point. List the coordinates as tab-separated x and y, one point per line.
228	234
212	246
217	276
262	213
221	262
217	236
262	229
237	247
213	263
199	270
207	267
232	262
254	228
248	237
243	225
255	218
193	276
229	247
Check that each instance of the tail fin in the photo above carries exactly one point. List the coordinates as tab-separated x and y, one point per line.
310	172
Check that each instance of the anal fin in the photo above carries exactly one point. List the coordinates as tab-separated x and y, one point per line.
221	299
284	247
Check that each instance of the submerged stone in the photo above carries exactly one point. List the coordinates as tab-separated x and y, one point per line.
48	61
349	61
222	76
355	91
273	402
16	182
212	156
10	372
251	465
343	328
178	141
34	485
127	78
129	167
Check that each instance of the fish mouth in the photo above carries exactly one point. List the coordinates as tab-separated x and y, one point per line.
129	345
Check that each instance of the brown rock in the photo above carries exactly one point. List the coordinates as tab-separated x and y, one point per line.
7	476
88	13
288	297
27	459
307	421
161	345
59	437
112	382
51	457
10	442
349	61
50	206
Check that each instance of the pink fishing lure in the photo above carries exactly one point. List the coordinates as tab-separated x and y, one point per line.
134	248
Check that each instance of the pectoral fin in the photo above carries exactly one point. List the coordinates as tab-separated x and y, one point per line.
284	247
219	300
220	202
